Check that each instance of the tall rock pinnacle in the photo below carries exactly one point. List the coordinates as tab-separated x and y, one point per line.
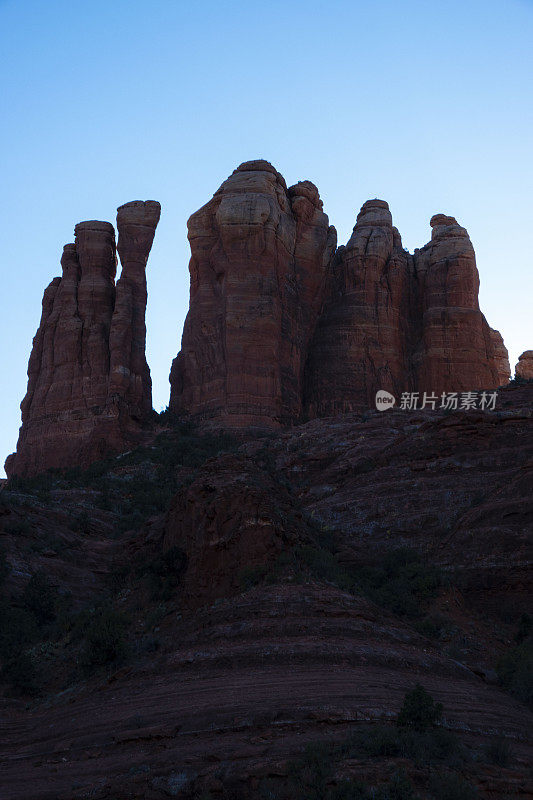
362	339
457	351
260	253
89	385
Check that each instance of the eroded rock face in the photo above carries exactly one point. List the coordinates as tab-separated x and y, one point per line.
281	327
524	365
362	340
89	386
457	351
259	257
232	519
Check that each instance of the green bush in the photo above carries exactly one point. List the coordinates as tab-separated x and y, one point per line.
40	599
104	638
403	583
419	711
4	568
19	670
388	741
18	527
450	786
325	567
515	671
18	629
525	628
399	788
498	752
164	573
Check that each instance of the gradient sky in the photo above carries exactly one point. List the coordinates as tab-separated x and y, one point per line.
427	105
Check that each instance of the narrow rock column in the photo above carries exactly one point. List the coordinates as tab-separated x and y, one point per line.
129	376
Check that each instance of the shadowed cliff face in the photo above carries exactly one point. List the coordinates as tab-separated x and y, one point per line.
89	384
259	259
280	326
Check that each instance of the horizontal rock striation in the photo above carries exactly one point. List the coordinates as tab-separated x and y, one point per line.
89	386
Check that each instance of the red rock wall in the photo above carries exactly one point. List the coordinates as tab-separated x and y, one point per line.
89	384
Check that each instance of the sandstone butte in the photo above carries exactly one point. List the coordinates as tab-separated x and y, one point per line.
282	326
89	387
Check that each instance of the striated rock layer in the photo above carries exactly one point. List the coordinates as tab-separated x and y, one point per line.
259	257
281	327
89	385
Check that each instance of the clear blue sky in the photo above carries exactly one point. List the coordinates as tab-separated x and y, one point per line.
427	105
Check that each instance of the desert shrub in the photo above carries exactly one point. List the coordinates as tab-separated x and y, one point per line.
515	671
389	741
399	788
498	751
80	523
374	741
252	576
450	786
104	638
4	568
419	710
18	629
18	527
164	573
40	599
349	790
309	774
433	626
525	628
19	670
402	582
325	567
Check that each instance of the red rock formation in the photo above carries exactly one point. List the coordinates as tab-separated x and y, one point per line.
259	258
458	351
362	339
277	326
501	357
129	377
88	381
524	365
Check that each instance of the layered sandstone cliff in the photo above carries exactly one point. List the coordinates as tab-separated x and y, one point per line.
89	385
281	326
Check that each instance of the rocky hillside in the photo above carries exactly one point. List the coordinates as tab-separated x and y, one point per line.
340	609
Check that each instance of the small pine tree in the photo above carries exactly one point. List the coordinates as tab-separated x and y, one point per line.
419	710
